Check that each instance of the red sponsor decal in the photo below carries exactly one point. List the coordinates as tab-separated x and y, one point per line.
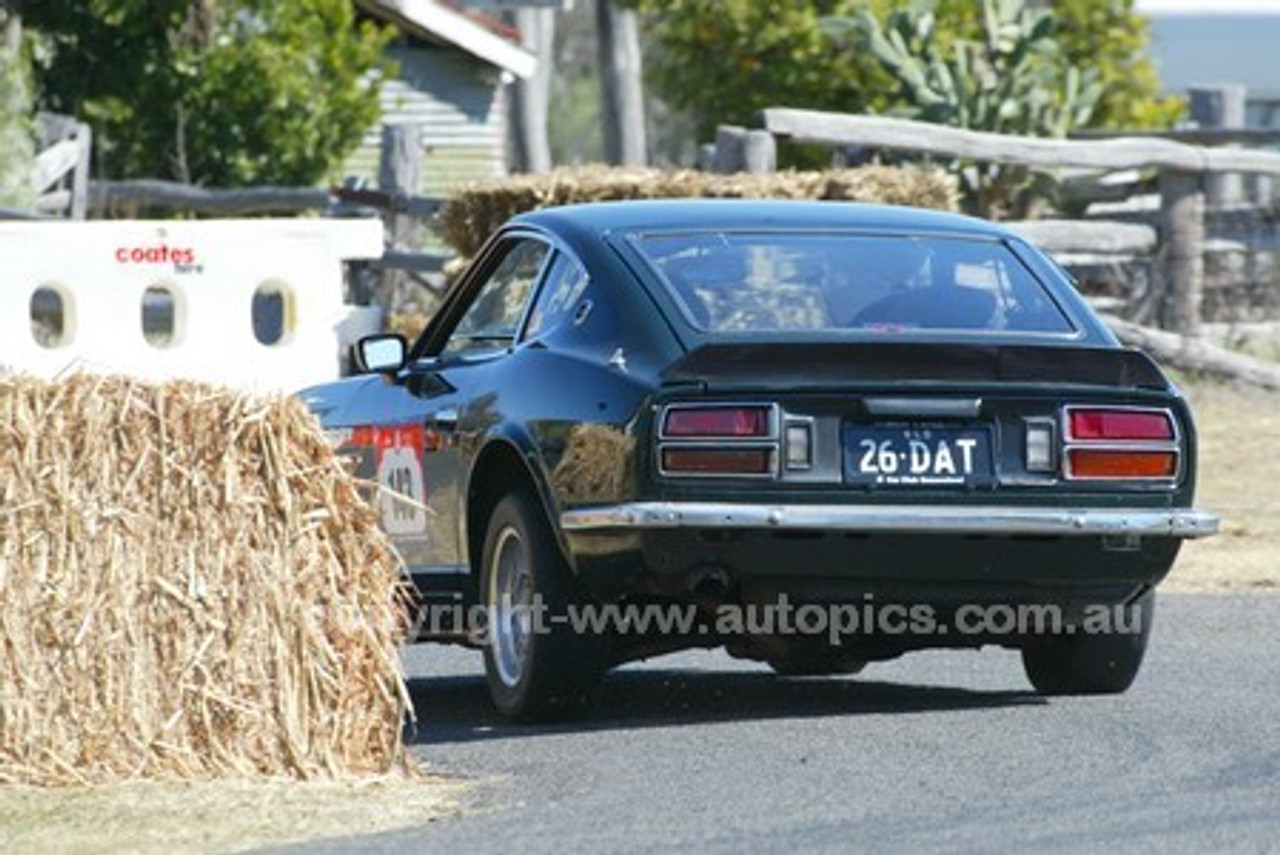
182	256
407	437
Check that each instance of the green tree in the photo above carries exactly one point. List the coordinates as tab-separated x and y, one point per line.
212	92
1110	38
724	60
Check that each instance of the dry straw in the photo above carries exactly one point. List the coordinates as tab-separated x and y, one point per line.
191	586
476	210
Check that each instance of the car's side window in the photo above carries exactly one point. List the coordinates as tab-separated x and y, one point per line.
558	297
492	321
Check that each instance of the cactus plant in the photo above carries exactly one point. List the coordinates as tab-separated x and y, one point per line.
1013	80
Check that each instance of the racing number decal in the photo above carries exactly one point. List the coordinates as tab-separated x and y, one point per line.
398	452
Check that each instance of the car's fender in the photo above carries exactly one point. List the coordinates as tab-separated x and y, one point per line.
507	459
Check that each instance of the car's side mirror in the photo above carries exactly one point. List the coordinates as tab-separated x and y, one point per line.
380	354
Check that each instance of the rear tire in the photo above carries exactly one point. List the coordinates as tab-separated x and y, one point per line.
538	669
1103	664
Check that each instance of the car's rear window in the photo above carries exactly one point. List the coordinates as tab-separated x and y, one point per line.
733	281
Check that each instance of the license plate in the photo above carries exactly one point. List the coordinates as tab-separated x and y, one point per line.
917	456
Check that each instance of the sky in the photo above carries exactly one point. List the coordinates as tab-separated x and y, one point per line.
1228	41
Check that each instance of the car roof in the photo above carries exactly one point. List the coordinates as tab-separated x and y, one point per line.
667	214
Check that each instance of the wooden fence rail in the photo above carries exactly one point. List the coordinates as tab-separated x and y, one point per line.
113	197
61	169
842	129
106	197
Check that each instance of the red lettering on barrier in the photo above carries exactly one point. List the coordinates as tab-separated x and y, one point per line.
182	258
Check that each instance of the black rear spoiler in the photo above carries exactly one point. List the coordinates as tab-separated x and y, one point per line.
803	364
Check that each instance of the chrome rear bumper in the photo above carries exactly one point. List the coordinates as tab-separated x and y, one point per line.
897	519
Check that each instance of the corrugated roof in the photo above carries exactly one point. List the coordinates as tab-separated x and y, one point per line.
439	21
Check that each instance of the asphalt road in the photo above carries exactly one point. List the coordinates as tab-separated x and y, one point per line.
935	751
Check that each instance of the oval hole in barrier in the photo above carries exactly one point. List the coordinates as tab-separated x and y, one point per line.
52	312
162	315
273	313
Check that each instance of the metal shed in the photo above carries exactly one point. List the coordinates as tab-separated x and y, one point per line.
453	67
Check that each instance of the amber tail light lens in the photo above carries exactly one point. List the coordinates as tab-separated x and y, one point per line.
717	422
1105	463
717	461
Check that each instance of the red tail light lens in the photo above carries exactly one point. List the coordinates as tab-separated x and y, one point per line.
718	461
720	422
1120	425
1105	463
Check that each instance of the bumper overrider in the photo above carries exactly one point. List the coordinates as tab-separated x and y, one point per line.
1181	523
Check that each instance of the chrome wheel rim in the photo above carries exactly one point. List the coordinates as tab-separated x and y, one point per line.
510	606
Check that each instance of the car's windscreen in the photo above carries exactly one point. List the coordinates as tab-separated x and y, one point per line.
742	282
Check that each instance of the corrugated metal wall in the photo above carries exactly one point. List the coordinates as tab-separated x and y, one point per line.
458	102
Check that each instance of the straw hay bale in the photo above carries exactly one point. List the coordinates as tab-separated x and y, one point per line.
476	209
190	586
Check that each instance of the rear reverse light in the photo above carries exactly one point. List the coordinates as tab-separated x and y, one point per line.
717	422
718	461
1041	446
797	445
1120	443
1119	425
1104	463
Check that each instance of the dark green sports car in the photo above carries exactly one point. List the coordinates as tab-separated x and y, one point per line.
818	434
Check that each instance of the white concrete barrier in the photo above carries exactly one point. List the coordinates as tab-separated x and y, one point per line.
256	304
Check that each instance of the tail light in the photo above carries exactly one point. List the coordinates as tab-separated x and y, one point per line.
1116	463
718	440
1120	425
717	461
1121	444
717	422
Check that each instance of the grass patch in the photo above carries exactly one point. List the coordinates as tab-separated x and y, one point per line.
221	816
1240	481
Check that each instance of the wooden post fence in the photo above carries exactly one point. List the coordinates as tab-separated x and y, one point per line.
740	150
1219	107
62	166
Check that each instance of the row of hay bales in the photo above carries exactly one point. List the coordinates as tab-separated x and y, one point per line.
191	585
474	211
